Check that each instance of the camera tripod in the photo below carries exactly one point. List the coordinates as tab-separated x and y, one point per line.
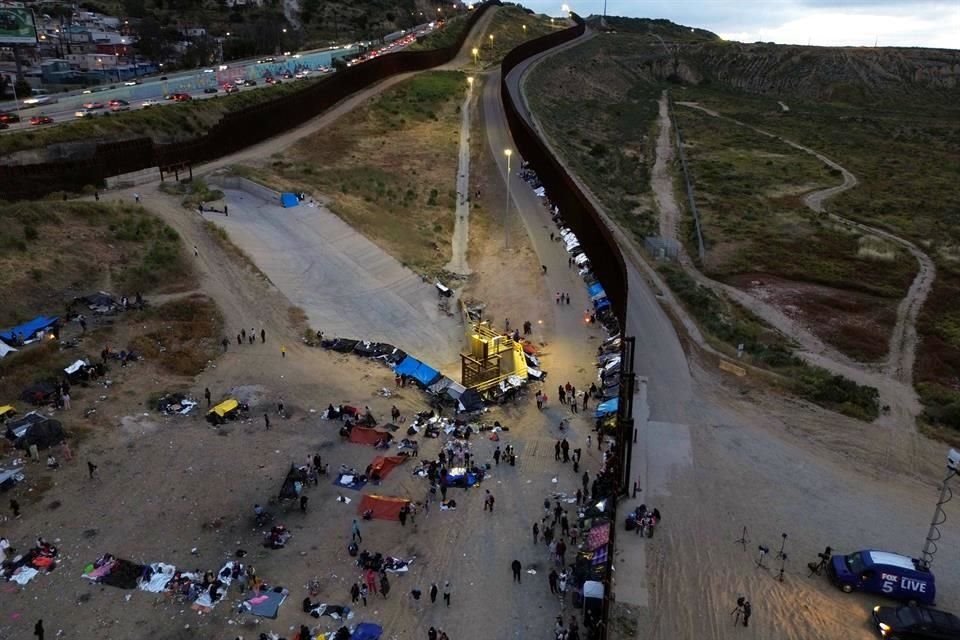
738	611
817	567
743	539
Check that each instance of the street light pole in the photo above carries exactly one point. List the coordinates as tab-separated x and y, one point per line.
506	208
476	52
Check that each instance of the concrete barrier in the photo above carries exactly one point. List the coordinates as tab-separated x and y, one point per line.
133	178
246	185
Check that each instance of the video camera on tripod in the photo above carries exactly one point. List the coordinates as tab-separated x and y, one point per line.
818	567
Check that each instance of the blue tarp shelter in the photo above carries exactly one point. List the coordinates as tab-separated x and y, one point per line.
289	200
367	631
595	290
28	329
601	304
607	407
425	375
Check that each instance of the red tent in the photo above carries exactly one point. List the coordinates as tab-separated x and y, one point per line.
383	507
384	465
365	435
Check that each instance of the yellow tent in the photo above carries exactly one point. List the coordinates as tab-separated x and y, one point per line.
7	411
225	407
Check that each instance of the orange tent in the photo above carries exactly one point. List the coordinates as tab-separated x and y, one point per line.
384	465
365	435
383	507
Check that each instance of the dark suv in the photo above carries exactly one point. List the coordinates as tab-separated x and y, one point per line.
916	623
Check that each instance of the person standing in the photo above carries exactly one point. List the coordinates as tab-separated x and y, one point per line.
136	198
363	593
4	548
446	593
552	578
243	333
206	394
263	336
283	351
433	592
38	629
355	532
91	469
516	566
565	448
266	421
539	399
355	593
15	508
747	611
496	455
384	586
303	504
586	481
536	533
562	394
432	634
556	450
66	400
403	516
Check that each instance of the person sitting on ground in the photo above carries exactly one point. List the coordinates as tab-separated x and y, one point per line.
52	462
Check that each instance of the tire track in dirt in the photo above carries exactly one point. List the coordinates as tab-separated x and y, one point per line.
901	353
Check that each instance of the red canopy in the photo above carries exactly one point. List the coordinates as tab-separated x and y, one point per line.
365	435
384	465
383	507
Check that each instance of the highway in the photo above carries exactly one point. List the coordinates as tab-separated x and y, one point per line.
153	89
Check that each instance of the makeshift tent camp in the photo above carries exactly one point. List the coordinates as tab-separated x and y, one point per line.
229	409
34	428
28	330
593	598
382	466
382	507
364	435
100	302
423	374
289	200
607	407
293	484
367	631
267	604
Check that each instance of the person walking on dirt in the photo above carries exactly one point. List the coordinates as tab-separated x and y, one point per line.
403	516
488	502
266	421
303	504
206	394
38	629
243	332
263	336
446	593
354	593
536	533
371	579
239	341
565	448
539	399
516	566
355	533
384	586
562	394
556	450
225	344
91	469
253	336
363	593
496	455
433	592
15	508
586	481
552	578
283	351
280	408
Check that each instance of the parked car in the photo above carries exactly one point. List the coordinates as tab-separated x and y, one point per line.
9	118
916	623
41	119
883	573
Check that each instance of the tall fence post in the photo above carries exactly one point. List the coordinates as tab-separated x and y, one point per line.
686	177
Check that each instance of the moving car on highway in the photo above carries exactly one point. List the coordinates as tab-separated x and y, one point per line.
9	118
916	623
41	119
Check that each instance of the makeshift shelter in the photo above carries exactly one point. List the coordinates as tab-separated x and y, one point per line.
382	507
78	370
607	407
267	604
28	330
423	374
5	349
367	631
44	433
365	435
593	599
114	571
229	409
383	465
99	302
469	401
293	484
39	393
10	477
7	411
288	200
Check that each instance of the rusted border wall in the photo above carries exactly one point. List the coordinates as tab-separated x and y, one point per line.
595	238
234	132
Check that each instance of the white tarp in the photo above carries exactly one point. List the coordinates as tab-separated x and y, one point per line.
76	366
5	349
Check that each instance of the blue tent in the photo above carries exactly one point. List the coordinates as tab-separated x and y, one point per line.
607	407
424	374
367	631
28	329
594	290
289	199
601	304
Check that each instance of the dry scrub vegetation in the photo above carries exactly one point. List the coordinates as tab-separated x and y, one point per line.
388	169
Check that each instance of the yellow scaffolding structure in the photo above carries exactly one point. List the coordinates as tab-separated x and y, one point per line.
492	357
